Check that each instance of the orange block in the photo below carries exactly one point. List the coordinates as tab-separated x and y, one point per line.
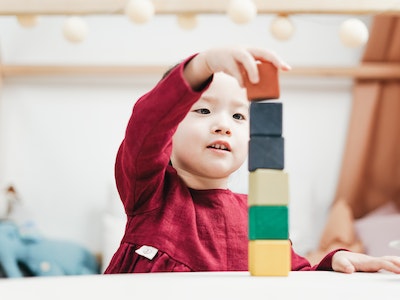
268	86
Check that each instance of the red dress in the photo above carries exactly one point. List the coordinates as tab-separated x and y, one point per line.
188	230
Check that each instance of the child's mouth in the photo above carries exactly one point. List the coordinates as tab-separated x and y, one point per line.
219	147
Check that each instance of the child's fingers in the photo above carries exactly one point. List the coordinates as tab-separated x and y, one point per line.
244	65
343	265
251	56
247	61
390	263
240	62
264	54
235	72
349	262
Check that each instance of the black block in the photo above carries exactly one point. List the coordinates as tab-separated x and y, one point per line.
266	152
266	118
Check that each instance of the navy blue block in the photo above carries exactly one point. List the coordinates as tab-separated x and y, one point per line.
266	152
266	118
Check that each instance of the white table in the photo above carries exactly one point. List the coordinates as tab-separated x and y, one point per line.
210	285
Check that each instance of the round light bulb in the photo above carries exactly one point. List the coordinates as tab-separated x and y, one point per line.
75	29
27	20
353	33
242	11
282	28
187	21
140	11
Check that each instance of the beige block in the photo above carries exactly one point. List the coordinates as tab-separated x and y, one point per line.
268	187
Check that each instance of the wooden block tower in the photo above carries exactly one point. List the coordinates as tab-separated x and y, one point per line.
268	196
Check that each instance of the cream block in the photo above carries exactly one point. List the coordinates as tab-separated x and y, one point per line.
268	187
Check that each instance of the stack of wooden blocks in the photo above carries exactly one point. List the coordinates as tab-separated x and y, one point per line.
268	197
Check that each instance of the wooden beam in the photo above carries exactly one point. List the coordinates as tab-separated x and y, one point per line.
86	7
364	71
384	71
38	70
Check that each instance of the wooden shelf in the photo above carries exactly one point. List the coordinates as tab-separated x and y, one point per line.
86	7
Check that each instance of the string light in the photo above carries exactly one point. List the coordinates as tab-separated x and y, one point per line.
140	11
242	11
27	21
353	33
187	21
75	29
282	28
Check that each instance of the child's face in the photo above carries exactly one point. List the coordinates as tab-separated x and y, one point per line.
212	141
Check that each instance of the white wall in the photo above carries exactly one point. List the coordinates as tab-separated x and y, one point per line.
59	135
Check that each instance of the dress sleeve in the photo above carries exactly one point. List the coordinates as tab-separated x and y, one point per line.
144	154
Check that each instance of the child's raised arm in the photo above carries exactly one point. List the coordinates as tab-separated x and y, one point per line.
230	61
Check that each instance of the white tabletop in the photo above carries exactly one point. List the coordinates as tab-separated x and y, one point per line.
209	285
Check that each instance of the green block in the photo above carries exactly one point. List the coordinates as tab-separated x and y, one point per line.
268	223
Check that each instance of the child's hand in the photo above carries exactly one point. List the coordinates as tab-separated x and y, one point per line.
349	262
230	61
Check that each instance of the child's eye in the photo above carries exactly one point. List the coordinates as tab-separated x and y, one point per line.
203	111
239	117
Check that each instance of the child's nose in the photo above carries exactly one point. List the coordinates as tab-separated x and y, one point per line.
223	131
222	128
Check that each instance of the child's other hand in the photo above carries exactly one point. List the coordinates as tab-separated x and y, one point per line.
349	262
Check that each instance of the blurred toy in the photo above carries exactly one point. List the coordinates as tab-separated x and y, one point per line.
42	257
